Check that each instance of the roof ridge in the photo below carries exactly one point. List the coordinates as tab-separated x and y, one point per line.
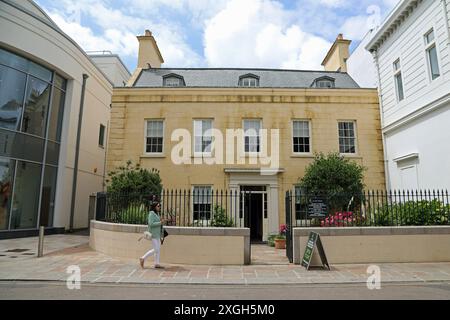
247	69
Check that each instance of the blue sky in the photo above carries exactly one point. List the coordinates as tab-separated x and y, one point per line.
292	34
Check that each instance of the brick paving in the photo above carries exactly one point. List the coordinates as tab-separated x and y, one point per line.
269	267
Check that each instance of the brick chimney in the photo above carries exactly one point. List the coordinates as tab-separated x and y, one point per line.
336	58
149	54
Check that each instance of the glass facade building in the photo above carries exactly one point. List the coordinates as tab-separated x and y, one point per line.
31	114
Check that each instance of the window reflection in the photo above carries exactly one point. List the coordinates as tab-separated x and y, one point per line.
26	196
6	186
12	90
36	107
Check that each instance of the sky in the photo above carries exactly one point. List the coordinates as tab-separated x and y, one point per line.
285	34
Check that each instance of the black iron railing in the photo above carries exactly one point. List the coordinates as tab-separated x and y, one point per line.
179	207
369	208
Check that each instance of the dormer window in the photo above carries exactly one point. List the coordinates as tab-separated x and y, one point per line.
324	82
249	80
173	80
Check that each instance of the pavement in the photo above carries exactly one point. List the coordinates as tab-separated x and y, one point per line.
18	262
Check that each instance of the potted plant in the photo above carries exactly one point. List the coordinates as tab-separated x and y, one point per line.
280	239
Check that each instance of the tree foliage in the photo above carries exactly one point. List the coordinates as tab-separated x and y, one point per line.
135	180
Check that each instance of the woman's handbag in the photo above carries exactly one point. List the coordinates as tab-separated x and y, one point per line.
165	234
147	236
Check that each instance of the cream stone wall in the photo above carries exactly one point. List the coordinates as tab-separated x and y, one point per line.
228	107
377	245
197	246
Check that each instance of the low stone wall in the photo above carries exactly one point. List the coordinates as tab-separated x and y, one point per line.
377	244
184	245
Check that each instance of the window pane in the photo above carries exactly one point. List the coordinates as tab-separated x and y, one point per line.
22	64
155	138
6	187
60	82
26	196
430	37
101	136
399	82
52	153
48	196
36	107
432	56
12	144
346	137
56	116
12	92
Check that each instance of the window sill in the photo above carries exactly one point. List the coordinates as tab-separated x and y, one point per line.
302	155
155	155
351	155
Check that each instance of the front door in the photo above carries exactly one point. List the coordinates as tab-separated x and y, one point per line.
253	204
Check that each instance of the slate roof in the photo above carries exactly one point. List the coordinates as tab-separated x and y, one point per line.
229	78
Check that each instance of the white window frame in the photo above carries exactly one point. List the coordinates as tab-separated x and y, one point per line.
202	153
211	187
428	47
355	137
293	136
398	73
249	81
179	84
252	153
146	121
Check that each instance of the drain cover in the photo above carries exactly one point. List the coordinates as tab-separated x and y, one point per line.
17	250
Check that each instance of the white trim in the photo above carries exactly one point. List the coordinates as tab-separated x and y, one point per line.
146	120
355	131
310	153
251	170
407	157
202	154
252	154
427	47
418	113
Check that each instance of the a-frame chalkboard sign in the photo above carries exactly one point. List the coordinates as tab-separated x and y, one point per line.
313	241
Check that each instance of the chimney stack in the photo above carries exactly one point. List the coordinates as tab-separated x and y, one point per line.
336	58
149	54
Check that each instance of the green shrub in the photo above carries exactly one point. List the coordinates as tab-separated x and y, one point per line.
132	179
135	213
220	218
412	213
336	178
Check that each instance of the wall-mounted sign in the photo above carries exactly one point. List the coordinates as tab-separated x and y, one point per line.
317	208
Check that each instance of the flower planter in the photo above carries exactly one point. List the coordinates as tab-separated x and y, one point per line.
280	243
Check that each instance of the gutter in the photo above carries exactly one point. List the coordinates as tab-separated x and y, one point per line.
77	152
380	96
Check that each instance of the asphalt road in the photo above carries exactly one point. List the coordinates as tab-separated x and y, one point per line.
59	291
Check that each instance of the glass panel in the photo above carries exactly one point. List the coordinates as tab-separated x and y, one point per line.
25	65
429	37
48	196
6	187
26	196
36	107
56	116
21	146
52	153
101	136
12	91
154	136
60	82
399	84
13	60
432	56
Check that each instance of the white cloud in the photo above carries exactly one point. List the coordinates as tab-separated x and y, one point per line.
355	28
334	3
117	32
257	33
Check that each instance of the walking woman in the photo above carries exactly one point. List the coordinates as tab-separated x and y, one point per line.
155	225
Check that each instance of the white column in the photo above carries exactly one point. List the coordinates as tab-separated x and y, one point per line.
272	207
